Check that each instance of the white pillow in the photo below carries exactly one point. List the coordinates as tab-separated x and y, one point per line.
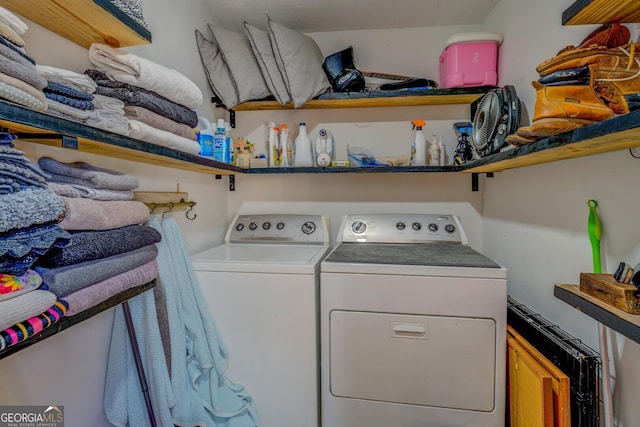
245	72
266	60
299	59
217	71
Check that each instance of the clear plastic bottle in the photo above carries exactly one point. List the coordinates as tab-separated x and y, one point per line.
419	148
227	134
284	149
220	147
303	156
443	152
434	152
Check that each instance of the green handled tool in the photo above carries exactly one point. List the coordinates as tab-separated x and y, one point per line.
595	233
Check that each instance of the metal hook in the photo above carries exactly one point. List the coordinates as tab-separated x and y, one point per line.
152	208
171	205
189	211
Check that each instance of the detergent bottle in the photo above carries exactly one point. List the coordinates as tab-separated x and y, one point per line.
205	137
303	156
419	149
324	148
284	149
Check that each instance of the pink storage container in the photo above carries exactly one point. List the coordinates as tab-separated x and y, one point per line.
470	59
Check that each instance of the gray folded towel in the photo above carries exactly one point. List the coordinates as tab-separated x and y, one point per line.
85	174
33	205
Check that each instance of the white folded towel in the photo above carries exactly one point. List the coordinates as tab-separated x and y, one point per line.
13	21
77	81
144	132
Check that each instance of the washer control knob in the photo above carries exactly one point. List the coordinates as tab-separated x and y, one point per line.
400	226
359	226
308	227
433	227
266	225
450	228
280	225
253	226
416	226
239	226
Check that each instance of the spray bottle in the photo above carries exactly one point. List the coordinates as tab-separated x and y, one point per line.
419	149
285	153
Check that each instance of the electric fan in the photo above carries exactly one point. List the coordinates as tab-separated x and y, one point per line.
497	115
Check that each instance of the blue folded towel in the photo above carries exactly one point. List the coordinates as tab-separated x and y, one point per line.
85	174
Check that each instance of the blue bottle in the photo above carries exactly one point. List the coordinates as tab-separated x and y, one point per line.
221	144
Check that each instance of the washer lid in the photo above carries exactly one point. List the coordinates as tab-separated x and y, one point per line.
261	258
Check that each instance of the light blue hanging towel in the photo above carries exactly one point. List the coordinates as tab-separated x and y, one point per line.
204	394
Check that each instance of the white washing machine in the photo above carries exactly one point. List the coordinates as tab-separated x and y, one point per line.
413	326
262	286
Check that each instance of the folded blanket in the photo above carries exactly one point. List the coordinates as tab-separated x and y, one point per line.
22	93
109	121
73	117
62	89
16	48
80	104
132	95
13	55
16	170
152	135
90	245
21	248
10	34
22	307
75	190
85	174
71	79
13	21
157	121
108	104
12	285
30	206
128	68
133	9
93	295
33	325
68	279
27	73
87	214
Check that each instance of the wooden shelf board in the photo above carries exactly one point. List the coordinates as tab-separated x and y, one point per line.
36	127
385	98
610	135
83	21
601	12
620	321
370	169
67	322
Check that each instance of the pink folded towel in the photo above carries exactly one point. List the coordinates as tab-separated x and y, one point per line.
89	214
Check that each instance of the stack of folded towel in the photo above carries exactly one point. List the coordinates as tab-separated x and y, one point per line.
159	102
72	96
29	216
19	80
111	250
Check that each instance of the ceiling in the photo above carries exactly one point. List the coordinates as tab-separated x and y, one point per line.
337	15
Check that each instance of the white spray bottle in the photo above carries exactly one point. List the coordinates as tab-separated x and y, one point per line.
419	149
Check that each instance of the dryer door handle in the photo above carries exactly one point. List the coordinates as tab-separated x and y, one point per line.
409	330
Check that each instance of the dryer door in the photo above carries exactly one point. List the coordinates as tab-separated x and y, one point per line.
422	360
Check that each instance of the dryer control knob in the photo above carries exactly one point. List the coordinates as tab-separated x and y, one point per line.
433	227
240	227
400	226
416	226
308	227
450	228
253	226
280	225
359	226
266	225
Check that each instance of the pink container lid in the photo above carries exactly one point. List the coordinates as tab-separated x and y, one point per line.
474	38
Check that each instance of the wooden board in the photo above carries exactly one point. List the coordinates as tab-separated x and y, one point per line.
83	21
601	12
605	288
530	388
560	381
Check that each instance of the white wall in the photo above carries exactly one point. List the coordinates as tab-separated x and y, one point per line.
535	218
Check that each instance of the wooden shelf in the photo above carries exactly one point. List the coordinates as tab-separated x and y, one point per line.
601	12
619	133
616	319
369	169
41	128
67	322
83	21
379	98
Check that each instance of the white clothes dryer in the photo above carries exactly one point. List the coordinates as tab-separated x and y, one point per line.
262	287
413	326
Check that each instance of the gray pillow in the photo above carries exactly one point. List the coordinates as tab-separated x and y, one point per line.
245	72
217	71
266	60
299	59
